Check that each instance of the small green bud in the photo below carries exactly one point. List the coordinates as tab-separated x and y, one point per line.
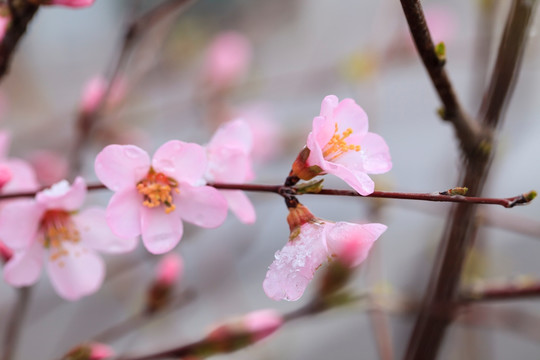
440	51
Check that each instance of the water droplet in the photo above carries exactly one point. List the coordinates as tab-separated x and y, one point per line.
131	153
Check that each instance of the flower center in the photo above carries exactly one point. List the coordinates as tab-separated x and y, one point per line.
157	189
58	227
337	146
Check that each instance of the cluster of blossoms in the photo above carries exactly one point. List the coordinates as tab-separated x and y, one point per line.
154	196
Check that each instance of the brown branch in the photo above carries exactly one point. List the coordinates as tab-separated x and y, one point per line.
87	121
513	291
14	323
461	229
287	191
21	13
467	131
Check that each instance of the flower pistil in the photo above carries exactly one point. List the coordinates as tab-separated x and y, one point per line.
157	189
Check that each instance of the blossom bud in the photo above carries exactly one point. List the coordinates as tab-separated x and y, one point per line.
298	216
90	351
5	175
300	168
168	271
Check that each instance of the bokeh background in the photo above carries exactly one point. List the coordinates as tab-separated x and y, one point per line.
302	50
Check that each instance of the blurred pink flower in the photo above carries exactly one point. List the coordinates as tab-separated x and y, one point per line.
229	161
89	351
50	167
95	89
48	226
340	144
16	175
152	197
262	323
169	269
70	3
5	252
312	244
227	59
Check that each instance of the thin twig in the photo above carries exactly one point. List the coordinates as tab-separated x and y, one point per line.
286	191
467	130
14	323
513	291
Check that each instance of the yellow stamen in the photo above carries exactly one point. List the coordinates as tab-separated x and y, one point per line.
157	189
58	228
337	146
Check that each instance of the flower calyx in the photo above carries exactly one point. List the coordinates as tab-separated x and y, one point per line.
298	216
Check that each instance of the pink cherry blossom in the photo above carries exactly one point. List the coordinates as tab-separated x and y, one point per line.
49	229
311	245
262	323
340	144
152	197
227	59
169	269
50	167
229	161
69	3
95	89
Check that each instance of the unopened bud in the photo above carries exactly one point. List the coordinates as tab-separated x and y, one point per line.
90	351
168	271
301	169
298	216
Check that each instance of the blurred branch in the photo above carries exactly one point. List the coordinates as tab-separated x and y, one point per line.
14	323
292	191
522	288
21	13
461	229
87	121
467	130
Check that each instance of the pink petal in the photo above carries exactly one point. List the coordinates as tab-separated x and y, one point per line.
375	154
322	131
97	235
19	223
233	134
161	232
315	154
62	196
240	205
228	165
24	267
78	273
350	115
295	265
352	242
328	106
203	206
123	213
169	269
182	161
23	177
121	166
358	180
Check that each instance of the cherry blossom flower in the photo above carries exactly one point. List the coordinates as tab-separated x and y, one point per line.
312	243
340	144
152	197
95	89
229	161
49	227
169	269
69	3
227	59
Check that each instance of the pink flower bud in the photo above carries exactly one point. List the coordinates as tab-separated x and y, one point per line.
95	89
70	3
263	323
169	269
5	253
5	175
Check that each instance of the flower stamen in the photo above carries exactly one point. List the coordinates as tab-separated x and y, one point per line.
157	189
58	228
337	146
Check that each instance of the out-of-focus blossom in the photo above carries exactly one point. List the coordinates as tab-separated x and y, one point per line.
340	144
5	252
227	60
152	197
312	243
95	89
169	271
229	161
442	22
49	227
69	3
267	134
50	167
90	351
16	175
5	175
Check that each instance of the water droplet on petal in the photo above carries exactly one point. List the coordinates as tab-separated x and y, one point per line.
131	153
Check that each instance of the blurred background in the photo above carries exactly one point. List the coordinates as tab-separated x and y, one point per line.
296	52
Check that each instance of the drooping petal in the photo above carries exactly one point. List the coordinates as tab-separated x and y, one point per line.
358	180
77	273
234	134
121	166
96	234
240	205
123	213
352	242
161	232
203	205
24	267
182	161
23	177
375	154
228	165
349	115
19	222
62	196
295	265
